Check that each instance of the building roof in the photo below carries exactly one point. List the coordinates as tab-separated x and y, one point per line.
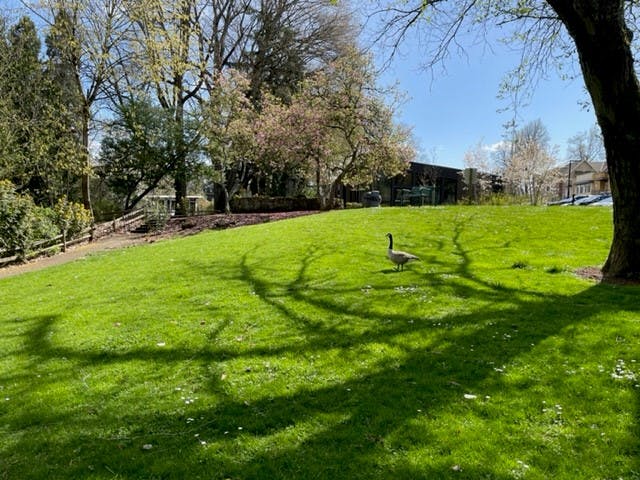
583	166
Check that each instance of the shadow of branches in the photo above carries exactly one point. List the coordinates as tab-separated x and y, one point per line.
333	428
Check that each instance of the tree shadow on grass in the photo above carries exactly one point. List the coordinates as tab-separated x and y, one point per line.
367	425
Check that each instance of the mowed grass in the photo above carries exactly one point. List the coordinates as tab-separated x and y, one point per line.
294	350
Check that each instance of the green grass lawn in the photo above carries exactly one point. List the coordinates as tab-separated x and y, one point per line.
294	350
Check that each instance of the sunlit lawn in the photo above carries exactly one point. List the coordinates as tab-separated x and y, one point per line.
294	350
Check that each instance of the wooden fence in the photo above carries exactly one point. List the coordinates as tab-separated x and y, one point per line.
127	222
45	247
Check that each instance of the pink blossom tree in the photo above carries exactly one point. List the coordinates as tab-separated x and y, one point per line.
338	129
364	141
229	128
291	138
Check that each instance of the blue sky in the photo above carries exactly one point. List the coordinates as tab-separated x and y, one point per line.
452	111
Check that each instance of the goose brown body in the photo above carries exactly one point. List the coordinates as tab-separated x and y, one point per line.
398	257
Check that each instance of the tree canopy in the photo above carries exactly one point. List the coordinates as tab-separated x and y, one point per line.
153	83
40	149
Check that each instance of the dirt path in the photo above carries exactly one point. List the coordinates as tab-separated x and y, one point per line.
112	242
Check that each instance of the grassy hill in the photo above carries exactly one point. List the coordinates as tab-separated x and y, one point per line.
293	349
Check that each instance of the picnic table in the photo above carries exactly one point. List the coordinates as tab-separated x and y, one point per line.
416	196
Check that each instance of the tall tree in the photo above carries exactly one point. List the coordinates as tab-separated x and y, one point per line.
229	128
22	88
601	32
40	157
82	43
586	146
273	60
365	140
136	153
287	162
8	147
344	129
182	46
290	38
528	163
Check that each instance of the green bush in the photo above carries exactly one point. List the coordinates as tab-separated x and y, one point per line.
22	223
71	218
16	232
43	224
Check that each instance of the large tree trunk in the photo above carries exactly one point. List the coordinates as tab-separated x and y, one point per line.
180	185
603	43
181	176
86	175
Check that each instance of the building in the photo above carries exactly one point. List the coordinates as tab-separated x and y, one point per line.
168	203
583	178
421	184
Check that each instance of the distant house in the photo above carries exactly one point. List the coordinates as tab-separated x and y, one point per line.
583	178
168	202
421	184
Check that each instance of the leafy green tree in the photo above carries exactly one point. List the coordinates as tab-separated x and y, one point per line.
84	44
40	155
137	153
275	63
7	141
291	38
20	90
181	47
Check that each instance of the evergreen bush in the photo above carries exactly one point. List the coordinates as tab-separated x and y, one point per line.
23	223
71	218
16	212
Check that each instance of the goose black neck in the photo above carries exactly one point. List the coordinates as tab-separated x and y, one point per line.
390	242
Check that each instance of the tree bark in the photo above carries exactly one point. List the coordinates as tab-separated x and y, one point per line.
603	43
227	200
86	175
180	186
181	176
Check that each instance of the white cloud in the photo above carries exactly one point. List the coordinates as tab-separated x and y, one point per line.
494	147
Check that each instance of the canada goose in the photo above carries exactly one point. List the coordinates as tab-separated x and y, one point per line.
398	257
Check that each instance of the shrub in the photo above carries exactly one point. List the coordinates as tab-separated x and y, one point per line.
16	210
22	223
71	218
43	224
